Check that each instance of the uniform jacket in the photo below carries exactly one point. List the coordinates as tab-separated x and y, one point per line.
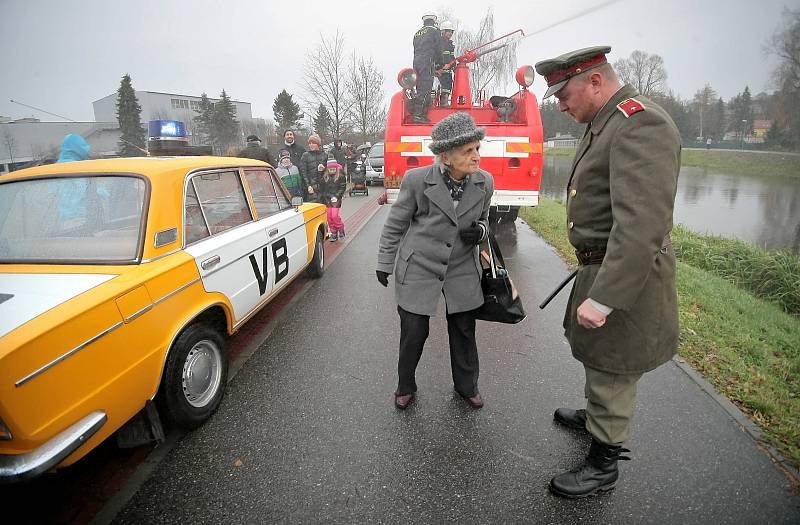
620	197
332	187
420	243
427	48
308	170
448	54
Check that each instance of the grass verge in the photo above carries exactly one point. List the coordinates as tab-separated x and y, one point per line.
745	163
748	348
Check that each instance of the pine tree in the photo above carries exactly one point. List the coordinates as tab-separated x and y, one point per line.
129	117
203	120
224	124
322	123
287	113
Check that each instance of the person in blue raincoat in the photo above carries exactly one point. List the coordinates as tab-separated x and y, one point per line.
72	194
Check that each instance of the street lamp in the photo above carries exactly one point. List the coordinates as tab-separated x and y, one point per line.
741	137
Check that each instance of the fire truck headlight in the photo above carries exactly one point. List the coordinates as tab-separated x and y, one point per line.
525	76
407	78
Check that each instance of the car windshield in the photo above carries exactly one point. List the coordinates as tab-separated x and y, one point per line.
71	219
376	152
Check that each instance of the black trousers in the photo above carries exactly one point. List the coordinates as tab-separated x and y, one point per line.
422	99
414	329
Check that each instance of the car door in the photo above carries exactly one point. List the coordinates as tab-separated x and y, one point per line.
225	240
284	225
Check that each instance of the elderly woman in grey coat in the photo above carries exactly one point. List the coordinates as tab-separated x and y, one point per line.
430	242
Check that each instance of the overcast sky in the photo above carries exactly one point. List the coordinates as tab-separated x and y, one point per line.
61	56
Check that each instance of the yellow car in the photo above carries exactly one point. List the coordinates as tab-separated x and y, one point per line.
119	283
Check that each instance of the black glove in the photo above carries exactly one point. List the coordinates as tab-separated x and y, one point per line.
472	234
383	277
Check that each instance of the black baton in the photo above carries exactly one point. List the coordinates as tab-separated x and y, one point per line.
558	289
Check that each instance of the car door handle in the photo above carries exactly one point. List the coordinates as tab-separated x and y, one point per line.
273	232
210	262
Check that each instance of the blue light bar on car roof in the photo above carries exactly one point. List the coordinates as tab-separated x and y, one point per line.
166	129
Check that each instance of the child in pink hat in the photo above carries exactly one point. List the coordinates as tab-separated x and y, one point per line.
332	187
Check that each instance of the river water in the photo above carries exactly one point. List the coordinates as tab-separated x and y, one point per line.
759	209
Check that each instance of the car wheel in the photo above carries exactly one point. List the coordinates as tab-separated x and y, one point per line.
317	266
194	378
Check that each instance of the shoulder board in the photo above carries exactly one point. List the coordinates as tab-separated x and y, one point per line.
630	106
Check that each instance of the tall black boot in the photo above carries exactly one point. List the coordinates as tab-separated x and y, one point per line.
597	473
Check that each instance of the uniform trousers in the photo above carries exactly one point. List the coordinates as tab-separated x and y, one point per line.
414	329
422	99
610	401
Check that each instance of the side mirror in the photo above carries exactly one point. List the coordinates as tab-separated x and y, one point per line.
297	201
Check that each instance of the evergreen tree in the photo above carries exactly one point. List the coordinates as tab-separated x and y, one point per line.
555	122
129	117
322	123
225	127
287	113
717	120
203	120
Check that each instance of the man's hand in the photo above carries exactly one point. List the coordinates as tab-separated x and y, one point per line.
310	189
383	277
471	234
590	317
320	167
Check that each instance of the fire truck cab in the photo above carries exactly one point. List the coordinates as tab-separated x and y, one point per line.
511	150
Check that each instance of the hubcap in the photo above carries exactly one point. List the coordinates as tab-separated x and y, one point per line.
202	373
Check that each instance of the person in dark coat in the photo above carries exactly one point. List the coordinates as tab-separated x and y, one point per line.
622	315
289	144
312	167
444	67
331	190
427	53
338	152
430	242
254	150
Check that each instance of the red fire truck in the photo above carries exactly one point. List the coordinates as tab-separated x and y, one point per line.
511	150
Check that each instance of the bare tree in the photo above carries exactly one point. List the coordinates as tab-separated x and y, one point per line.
644	71
785	44
10	143
365	89
703	101
325	80
493	69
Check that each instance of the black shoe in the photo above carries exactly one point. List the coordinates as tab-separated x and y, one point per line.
402	401
420	119
575	419
598	473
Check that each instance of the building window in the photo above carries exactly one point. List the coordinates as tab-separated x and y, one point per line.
178	103
195	105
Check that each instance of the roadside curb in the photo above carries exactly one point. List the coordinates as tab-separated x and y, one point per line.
749	427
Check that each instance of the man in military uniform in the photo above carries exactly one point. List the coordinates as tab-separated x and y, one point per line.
444	67
427	53
622	316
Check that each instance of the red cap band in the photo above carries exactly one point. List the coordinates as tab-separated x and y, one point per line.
562	74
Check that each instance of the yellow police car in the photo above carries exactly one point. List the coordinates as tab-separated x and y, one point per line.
119	283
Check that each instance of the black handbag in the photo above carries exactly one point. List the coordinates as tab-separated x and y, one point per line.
501	302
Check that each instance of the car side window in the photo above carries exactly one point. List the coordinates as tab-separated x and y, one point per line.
195	227
222	200
283	200
265	196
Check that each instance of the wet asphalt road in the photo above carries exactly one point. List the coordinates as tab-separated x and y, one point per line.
308	433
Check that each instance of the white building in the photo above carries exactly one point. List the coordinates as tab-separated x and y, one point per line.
28	140
166	106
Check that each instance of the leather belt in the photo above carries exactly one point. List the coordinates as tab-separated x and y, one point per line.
596	256
591	257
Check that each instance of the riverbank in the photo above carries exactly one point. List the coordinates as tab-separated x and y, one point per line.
748	348
740	162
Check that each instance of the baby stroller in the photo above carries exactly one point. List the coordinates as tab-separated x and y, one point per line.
359	179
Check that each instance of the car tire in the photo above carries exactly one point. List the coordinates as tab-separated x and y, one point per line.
317	266
194	377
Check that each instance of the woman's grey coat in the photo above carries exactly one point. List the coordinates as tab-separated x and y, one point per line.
420	243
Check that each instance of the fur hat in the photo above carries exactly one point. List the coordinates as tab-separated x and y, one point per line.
315	138
453	131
